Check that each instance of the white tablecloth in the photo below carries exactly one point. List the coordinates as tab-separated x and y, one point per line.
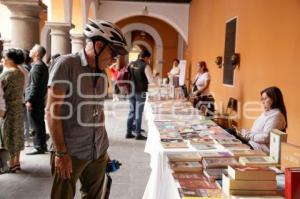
160	184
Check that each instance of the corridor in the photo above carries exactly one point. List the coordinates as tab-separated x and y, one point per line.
34	181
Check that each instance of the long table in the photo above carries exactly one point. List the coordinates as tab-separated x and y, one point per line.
161	184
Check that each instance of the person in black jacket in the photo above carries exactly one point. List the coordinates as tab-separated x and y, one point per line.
35	99
141	77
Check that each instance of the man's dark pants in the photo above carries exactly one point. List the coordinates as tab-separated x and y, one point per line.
37	123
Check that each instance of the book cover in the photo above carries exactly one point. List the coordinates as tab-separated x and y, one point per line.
222	136
204	146
191	176
228	141
181	157
187	166
276	138
171	140
235	146
214	154
243	153
251	173
200	193
214	174
292	183
189	135
218	162
217	129
262	161
196	184
171	145
201	140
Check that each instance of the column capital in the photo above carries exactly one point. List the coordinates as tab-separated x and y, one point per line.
30	6
63	26
78	42
79	36
60	37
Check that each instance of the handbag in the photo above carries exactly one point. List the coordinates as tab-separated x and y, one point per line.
194	84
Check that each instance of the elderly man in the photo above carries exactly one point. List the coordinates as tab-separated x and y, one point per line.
77	88
35	95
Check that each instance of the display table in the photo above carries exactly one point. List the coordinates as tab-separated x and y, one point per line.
161	184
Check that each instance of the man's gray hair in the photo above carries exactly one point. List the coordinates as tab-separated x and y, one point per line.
40	50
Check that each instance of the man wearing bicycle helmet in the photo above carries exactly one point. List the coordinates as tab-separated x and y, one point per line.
76	90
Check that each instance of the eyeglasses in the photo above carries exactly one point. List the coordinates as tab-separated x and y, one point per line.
114	54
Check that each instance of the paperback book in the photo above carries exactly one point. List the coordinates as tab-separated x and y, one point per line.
262	161
187	166
171	145
251	173
181	157
218	162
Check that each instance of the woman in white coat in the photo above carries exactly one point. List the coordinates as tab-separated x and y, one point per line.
273	117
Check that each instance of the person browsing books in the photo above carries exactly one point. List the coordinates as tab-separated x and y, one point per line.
78	83
273	117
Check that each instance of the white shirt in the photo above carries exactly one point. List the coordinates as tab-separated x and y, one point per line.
174	71
2	101
200	82
261	129
149	75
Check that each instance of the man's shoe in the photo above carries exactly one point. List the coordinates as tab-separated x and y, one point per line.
140	137
128	136
35	152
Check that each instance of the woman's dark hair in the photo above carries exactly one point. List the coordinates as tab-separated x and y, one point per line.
177	60
203	64
27	58
277	100
14	54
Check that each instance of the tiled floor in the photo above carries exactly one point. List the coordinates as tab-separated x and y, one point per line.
34	182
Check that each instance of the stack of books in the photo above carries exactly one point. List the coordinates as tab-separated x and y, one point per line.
215	167
196	185
267	161
249	181
246	153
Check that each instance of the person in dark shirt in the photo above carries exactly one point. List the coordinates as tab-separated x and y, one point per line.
35	98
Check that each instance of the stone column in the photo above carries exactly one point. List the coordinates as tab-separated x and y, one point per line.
24	22
60	37
78	42
6	44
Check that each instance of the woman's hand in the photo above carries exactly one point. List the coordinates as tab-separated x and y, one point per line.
245	134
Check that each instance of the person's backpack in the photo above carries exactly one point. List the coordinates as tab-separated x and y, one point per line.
123	79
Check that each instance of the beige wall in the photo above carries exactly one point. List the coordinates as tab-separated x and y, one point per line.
268	41
58	11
